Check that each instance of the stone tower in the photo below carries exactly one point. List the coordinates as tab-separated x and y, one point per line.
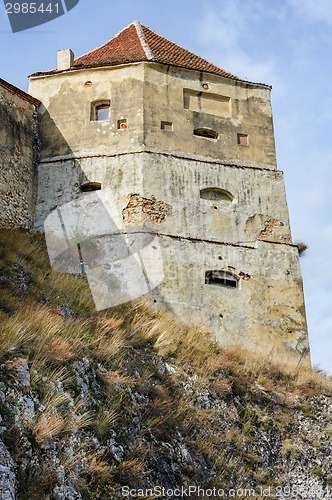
188	149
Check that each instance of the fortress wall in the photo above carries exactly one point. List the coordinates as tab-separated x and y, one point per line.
254	213
217	204
265	313
18	160
164	109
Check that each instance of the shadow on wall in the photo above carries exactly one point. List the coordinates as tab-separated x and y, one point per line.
86	231
53	143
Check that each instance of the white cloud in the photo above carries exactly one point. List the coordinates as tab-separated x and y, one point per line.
224	34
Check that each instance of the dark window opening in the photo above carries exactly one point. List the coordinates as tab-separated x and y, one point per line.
168	126
216	194
90	186
221	278
206	132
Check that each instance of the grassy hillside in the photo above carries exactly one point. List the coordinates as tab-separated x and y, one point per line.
91	402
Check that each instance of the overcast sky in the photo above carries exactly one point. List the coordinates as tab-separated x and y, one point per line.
285	43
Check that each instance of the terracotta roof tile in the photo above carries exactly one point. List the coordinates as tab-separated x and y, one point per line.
16	91
137	43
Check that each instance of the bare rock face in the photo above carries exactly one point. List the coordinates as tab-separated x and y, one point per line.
7	474
275	439
18	368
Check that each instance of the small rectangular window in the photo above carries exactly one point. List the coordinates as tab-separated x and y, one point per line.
168	126
243	139
122	124
100	111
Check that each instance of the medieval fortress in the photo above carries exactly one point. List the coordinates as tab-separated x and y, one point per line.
187	149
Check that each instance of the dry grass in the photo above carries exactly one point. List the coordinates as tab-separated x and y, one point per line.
108	340
105	420
48	426
302	247
132	468
36	330
84	462
196	351
114	379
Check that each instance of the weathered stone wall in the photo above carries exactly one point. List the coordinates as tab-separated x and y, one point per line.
217	204
18	160
265	313
65	120
254	213
149	97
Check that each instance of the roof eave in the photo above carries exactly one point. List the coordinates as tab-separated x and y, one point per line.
107	65
12	89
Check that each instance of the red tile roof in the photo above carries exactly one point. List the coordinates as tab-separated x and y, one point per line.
16	91
137	43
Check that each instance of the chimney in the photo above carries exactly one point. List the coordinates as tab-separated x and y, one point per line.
65	59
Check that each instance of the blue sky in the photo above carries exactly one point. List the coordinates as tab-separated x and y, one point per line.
287	44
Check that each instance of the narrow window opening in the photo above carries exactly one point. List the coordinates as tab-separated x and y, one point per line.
221	278
243	139
206	132
90	186
100	111
122	124
168	126
216	194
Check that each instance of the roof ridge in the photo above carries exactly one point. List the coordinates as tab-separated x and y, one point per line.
143	41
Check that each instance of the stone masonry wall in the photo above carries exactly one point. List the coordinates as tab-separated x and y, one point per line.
18	160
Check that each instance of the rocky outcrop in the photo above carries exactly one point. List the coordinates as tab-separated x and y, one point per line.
8	483
71	441
129	403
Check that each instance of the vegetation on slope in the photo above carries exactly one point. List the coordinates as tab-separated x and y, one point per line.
93	401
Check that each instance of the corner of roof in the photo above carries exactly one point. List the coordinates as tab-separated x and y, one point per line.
16	91
112	38
143	41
